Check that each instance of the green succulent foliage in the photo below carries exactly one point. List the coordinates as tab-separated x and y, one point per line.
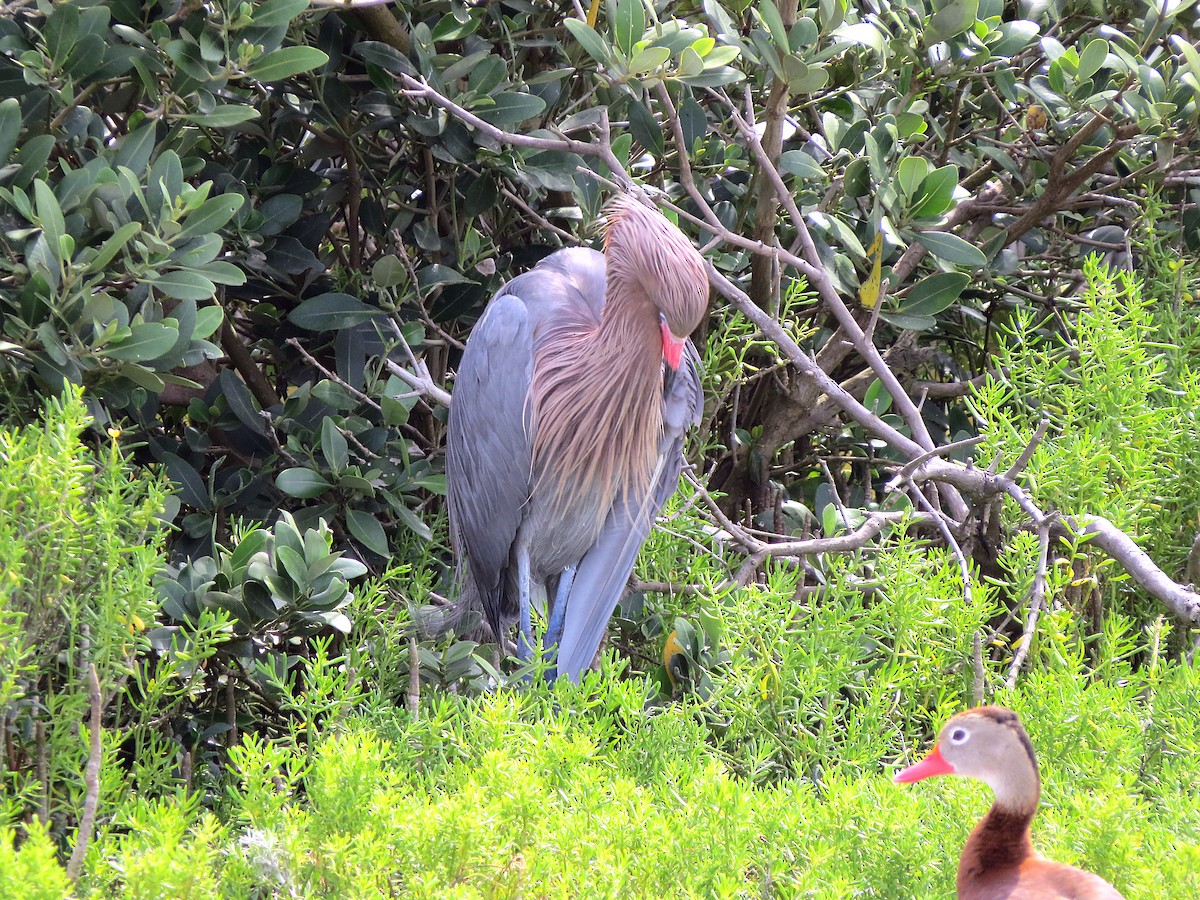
111	270
276	583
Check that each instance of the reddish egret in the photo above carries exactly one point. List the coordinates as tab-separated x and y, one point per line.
566	431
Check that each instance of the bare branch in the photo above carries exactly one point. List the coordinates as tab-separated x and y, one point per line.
91	777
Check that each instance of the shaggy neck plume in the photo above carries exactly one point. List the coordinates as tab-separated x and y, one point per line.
609	376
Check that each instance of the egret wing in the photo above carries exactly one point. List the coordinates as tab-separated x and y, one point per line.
605	569
488	446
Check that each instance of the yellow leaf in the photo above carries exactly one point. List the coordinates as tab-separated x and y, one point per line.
868	294
593	14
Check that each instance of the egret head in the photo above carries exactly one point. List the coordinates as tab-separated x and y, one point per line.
643	248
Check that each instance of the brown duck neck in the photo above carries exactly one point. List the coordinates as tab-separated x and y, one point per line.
1000	841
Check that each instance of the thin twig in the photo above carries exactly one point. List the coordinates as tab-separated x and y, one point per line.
91	777
1037	598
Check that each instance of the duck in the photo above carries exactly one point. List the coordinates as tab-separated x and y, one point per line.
990	744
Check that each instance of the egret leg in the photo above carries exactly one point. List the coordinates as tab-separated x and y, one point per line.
558	612
525	638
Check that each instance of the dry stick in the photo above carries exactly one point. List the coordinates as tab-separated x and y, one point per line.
413	700
43	771
332	376
1182	601
1037	597
979	682
244	363
91	778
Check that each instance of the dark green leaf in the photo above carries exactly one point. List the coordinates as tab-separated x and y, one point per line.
223	116
147	340
931	295
134	150
414	523
645	128
386	57
365	529
10	127
304	484
192	489
951	248
589	40
511	108
31	158
330	312
286	62
436	275
184	285
334	445
111	247
629	25
241	401
211	215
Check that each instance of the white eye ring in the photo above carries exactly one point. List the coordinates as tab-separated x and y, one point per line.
959	735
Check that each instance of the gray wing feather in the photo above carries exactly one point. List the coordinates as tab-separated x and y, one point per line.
488	448
605	569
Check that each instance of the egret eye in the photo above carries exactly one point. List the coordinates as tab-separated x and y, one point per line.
959	736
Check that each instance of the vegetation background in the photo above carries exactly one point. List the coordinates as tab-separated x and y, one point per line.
947	456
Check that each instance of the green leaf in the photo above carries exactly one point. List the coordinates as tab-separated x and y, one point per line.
952	19
134	150
286	62
208	320
511	108
1015	36
334	445
50	217
645	128
590	40
387	57
413	522
1092	58
877	399
184	285
931	295
274	13
910	172
241	401
224	116
10	127
301	483
649	59
937	192
222	272
863	33
629	25
365	529
908	323
769	13
331	312
209	216
951	248
146	340
32	157
192	488
802	165
112	247
437	275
